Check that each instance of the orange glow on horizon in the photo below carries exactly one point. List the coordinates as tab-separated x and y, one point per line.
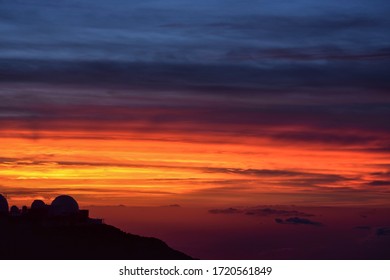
153	169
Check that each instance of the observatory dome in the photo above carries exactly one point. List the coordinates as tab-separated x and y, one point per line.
3	205
38	204
64	205
14	211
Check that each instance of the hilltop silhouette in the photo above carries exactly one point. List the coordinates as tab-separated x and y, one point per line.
63	232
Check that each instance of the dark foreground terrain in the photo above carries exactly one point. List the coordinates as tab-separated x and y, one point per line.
78	242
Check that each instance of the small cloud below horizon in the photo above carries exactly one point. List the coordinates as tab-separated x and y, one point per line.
172	206
363	227
260	211
297	221
278	212
383	231
229	210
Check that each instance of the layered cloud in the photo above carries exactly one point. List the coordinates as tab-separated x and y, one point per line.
195	100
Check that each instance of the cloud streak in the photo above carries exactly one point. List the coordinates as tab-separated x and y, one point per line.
198	99
297	221
260	211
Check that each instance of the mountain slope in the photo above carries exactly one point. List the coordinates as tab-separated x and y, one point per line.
79	242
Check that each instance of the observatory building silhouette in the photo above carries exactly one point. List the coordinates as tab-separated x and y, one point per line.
3	205
63	210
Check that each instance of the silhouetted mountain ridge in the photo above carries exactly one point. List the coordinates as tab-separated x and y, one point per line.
78	242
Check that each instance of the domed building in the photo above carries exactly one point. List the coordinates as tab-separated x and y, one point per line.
38	204
14	211
64	210
38	210
3	205
64	205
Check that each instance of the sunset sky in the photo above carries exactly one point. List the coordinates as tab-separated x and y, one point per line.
210	102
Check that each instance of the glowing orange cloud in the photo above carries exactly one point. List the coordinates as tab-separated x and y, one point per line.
163	168
151	147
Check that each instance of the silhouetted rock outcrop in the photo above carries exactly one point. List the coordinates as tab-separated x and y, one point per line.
20	240
64	232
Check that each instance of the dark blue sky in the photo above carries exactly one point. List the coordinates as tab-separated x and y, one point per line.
261	33
283	61
268	45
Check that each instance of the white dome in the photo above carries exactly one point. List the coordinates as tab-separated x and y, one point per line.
3	204
64	205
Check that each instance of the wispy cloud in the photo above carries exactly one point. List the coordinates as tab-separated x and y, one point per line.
298	221
260	211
